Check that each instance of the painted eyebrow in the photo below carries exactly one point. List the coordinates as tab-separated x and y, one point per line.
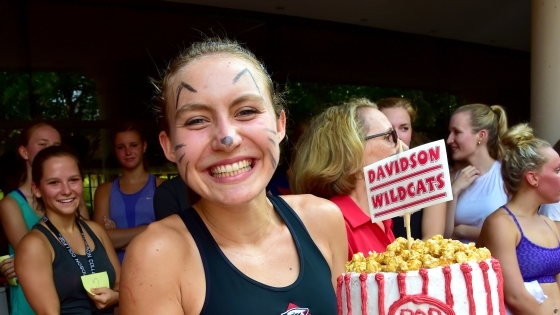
180	88
252	77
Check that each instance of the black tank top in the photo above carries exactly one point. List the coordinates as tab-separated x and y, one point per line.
67	275
229	291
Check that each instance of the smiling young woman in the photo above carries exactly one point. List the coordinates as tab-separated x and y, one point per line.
475	133
236	250
125	206
62	247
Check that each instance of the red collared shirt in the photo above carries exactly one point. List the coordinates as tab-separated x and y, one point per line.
363	235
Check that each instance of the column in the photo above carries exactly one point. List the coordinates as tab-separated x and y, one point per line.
545	69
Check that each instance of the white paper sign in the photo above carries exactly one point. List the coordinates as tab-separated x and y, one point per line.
408	181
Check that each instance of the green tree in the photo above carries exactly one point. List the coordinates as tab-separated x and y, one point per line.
47	95
306	100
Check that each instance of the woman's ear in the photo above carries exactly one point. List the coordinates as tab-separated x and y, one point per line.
532	178
22	151
165	143
281	126
483	135
35	190
144	146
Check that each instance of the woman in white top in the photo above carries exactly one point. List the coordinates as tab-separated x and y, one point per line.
478	190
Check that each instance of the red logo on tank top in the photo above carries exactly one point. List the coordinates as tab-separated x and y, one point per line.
296	310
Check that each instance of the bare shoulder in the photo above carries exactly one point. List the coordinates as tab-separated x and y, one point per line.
498	227
104	189
165	237
320	216
163	272
311	206
8	203
32	243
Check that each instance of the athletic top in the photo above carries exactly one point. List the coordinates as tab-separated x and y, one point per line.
132	210
536	262
19	305
66	274
229	291
484	196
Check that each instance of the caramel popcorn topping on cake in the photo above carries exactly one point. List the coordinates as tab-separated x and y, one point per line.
432	253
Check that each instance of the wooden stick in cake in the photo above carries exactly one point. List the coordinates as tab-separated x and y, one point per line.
407	225
407	215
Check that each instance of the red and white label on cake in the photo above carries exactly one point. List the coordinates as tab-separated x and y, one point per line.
408	181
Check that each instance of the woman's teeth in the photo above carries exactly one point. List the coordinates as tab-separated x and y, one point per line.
231	169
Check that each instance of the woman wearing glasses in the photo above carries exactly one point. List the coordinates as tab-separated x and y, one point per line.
328	162
475	133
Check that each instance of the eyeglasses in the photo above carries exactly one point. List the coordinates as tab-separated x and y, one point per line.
392	132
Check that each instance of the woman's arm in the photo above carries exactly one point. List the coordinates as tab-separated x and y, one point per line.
434	220
106	296
465	178
466	232
500	235
162	272
15	229
35	275
119	237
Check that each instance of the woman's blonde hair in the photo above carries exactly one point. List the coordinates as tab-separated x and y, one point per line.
395	102
523	154
330	153
491	118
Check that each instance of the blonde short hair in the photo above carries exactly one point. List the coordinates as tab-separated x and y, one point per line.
330	153
491	118
523	154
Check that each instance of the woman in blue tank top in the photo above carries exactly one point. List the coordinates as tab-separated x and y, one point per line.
62	248
235	251
526	243
125	206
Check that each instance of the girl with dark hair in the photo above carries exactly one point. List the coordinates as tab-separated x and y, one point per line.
125	206
62	247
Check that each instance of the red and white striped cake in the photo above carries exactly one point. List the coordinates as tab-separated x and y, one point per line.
470	288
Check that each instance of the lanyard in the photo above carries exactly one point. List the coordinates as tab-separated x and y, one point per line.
69	249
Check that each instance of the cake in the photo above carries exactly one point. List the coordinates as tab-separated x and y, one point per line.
436	277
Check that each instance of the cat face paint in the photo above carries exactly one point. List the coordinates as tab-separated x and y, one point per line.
231	159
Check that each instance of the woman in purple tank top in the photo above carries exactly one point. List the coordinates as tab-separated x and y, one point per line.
125	206
526	243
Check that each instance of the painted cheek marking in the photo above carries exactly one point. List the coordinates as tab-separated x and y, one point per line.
181	158
227	141
272	141
272	159
271	131
180	146
243	72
